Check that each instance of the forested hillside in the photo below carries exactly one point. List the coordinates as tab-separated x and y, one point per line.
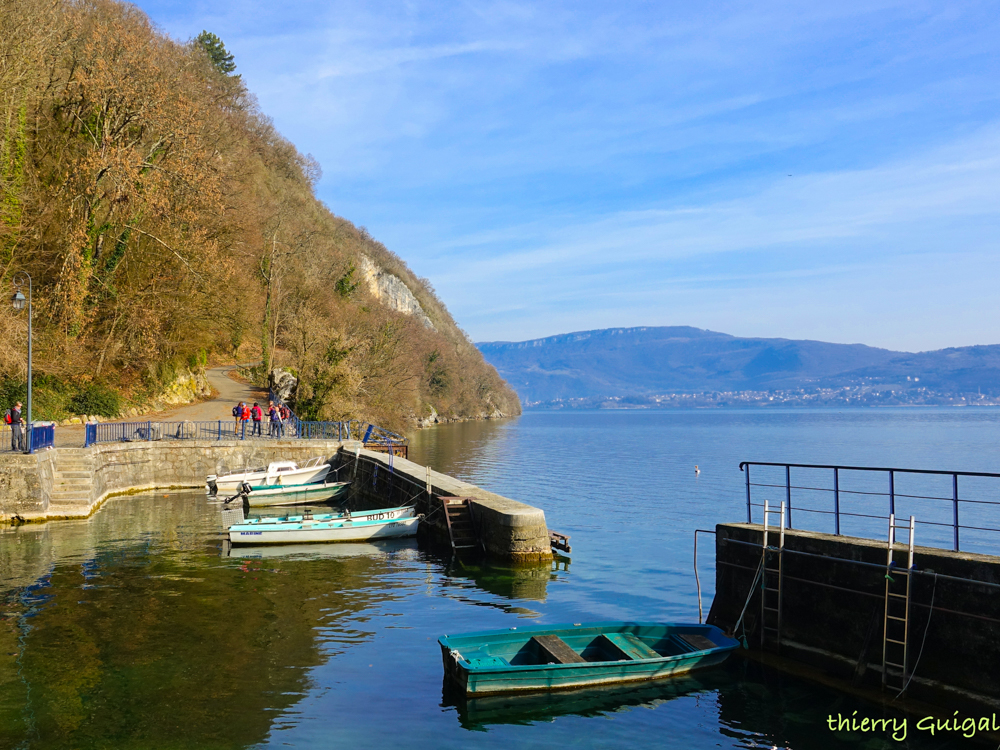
165	221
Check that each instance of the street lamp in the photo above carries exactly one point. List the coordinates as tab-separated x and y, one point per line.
18	300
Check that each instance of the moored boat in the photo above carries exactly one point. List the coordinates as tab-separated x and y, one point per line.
276	473
295	494
571	656
380	514
308	530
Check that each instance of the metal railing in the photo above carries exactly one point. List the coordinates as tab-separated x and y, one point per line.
230	429
41	436
863	497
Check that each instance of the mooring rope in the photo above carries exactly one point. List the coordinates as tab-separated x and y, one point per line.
923	641
753	587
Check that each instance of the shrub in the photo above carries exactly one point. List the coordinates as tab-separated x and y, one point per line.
95	398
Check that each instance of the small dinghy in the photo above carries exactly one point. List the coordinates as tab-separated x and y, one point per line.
572	656
276	473
357	527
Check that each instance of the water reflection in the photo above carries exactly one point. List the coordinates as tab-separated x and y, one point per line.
479	713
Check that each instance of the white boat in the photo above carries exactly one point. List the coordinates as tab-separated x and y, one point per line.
310	531
277	473
294	494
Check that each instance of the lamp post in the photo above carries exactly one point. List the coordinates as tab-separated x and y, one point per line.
18	300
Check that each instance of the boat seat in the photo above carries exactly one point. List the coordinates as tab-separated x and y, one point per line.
485	662
628	645
697	642
556	650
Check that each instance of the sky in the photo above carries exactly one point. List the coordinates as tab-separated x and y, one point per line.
826	171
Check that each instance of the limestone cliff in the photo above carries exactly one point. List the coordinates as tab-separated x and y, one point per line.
391	291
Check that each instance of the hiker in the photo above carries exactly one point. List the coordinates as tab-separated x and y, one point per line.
16	421
237	416
257	414
275	428
244	418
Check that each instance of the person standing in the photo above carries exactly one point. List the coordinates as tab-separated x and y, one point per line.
244	418
237	416
257	414
275	428
16	428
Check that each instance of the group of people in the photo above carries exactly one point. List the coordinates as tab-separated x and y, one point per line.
276	417
15	418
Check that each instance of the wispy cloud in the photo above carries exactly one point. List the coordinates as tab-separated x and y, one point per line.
562	165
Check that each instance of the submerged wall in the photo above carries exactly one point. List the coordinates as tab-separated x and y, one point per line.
833	609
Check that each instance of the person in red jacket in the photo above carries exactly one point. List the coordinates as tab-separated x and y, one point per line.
244	418
256	414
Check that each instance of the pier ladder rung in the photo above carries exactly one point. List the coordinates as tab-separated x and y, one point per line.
893	640
900	619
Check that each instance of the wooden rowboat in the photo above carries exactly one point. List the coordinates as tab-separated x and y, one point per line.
309	530
572	656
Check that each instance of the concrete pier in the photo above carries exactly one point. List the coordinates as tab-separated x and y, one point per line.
833	608
508	529
73	482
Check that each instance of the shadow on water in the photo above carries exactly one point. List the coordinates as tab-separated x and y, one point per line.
750	706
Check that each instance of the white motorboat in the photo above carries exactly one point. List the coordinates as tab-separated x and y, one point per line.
276	474
310	531
294	494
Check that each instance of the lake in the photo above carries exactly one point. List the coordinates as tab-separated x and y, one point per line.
134	629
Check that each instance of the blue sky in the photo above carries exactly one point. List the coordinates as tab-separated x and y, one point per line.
803	170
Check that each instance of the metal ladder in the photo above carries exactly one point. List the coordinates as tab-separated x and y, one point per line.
770	595
896	626
461	523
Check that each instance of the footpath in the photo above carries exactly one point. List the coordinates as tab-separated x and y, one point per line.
230	392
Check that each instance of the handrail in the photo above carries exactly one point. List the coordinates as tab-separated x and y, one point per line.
892	494
228	429
870	468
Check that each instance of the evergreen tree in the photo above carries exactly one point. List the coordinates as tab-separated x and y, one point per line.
221	59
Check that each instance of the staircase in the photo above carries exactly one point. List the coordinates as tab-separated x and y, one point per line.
73	478
461	523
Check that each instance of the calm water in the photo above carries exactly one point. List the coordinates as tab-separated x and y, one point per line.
131	629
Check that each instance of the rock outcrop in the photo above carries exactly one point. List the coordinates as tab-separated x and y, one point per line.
391	291
282	384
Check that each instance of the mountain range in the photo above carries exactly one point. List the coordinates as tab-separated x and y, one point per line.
646	361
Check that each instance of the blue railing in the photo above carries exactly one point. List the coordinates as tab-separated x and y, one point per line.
42	436
952	509
228	429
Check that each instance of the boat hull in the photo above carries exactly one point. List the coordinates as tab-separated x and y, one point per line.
307	493
345	531
229	484
498	662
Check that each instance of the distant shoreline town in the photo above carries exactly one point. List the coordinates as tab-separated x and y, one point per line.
849	396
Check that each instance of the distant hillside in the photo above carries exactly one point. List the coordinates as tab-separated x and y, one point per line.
624	362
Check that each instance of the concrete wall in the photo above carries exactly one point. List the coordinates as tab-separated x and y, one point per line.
832	610
72	482
28	486
509	529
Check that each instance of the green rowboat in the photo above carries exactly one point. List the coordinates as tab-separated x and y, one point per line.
571	656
